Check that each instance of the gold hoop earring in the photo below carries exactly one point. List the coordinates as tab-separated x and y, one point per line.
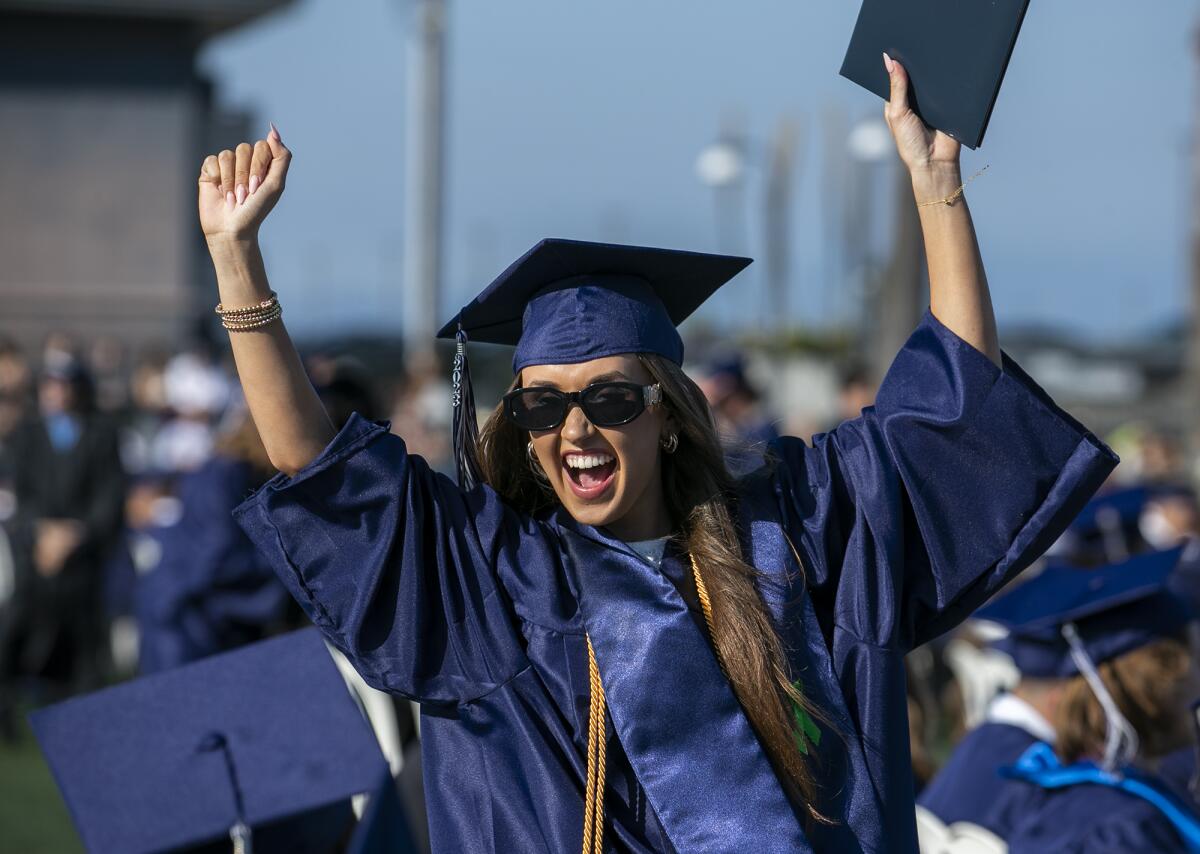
534	465
670	444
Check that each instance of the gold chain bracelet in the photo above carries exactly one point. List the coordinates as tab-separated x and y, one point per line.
953	197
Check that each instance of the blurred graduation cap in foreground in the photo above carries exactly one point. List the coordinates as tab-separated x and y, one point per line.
263	745
955	52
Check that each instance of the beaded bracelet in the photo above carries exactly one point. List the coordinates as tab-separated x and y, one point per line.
250	317
247	325
266	305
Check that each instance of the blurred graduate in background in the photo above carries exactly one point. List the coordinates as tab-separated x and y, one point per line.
1066	761
201	587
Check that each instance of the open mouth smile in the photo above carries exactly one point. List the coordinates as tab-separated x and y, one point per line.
589	473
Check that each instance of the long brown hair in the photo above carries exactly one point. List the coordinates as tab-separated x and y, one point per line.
700	494
1144	684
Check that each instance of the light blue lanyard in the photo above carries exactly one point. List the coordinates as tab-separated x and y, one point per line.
1040	765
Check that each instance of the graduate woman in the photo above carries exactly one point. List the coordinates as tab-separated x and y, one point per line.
615	645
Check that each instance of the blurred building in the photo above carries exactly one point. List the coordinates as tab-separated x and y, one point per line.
104	121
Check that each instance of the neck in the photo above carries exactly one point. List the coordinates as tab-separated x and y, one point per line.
639	524
1043	698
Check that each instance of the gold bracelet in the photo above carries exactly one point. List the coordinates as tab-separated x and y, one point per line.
254	318
250	322
953	197
250	327
266	305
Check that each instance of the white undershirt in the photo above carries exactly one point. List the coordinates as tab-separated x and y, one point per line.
650	551
1012	710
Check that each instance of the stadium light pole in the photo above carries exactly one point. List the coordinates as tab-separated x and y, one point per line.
424	175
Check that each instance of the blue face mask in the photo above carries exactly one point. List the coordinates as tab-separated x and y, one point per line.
63	430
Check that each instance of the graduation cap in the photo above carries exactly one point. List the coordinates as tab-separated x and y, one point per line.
1068	620
1116	507
262	745
570	301
1114	609
955	53
1107	529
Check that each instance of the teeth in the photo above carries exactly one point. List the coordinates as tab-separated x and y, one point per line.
587	461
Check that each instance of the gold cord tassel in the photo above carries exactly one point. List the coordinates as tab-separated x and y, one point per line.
706	607
593	806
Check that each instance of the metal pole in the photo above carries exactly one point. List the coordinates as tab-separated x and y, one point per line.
902	293
424	176
778	207
1192	374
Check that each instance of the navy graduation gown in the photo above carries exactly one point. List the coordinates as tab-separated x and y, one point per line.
969	787
1178	770
903	520
1091	819
1085	811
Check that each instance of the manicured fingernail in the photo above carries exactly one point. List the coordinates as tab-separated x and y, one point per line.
230	200
275	132
253	184
889	63
241	193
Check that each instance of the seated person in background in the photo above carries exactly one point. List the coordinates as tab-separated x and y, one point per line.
1107	677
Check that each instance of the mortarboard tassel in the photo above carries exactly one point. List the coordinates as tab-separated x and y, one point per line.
466	427
239	833
1121	739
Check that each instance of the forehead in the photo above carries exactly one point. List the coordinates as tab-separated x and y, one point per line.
576	376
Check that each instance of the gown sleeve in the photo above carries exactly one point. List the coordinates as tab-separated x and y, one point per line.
913	514
397	566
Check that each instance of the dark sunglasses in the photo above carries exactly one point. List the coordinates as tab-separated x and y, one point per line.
604	404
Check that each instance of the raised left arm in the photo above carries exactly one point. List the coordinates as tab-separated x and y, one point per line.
958	288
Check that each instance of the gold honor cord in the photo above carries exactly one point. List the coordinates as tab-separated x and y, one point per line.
593	804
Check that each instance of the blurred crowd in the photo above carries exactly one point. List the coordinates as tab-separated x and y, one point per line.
119	555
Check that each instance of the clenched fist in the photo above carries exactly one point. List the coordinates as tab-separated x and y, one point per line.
239	188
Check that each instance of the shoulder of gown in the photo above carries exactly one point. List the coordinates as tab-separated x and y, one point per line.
913	514
422	585
969	787
1092	819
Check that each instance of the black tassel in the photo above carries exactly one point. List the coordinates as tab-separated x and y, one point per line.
466	427
239	832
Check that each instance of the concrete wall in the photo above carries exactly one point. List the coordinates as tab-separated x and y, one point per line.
97	221
103	123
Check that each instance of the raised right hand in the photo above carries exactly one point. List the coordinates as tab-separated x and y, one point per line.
239	188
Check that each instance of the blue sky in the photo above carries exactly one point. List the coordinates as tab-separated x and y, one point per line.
584	119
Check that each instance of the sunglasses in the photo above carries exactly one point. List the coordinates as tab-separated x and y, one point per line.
605	404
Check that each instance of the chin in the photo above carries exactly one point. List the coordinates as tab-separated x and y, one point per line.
594	513
598	512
